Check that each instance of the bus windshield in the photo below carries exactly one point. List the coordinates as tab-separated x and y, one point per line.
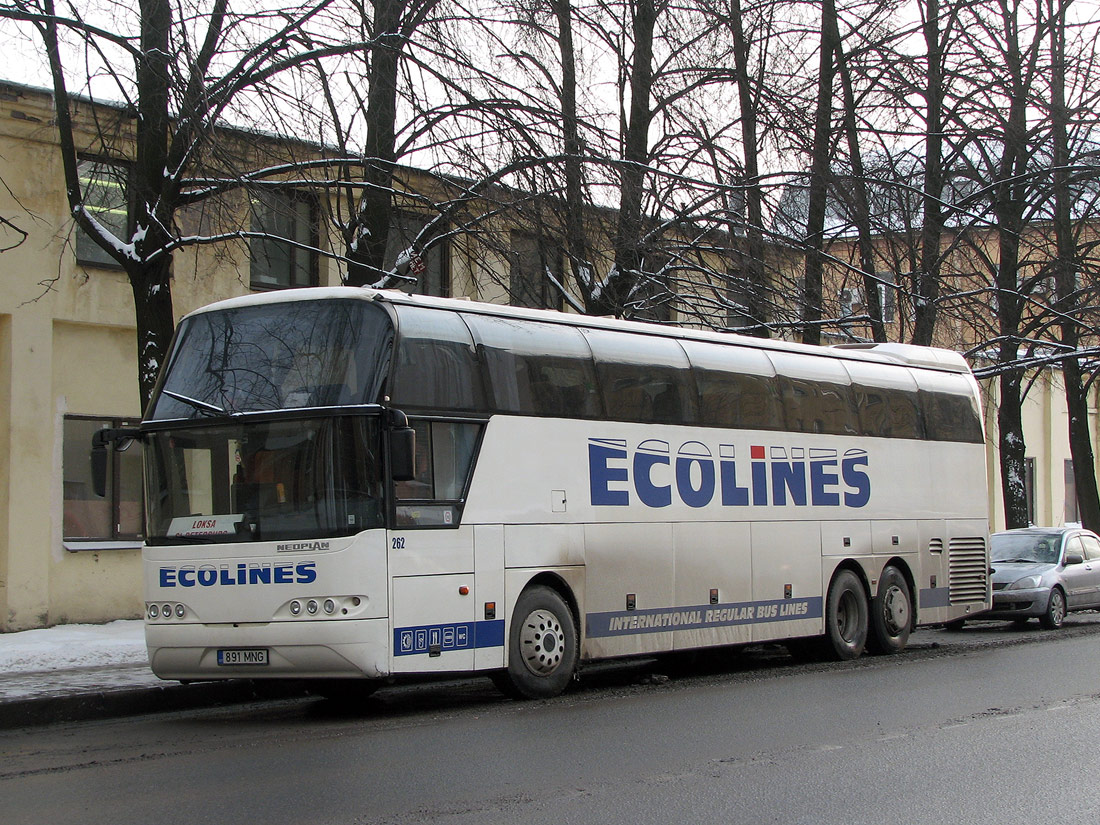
306	478
274	356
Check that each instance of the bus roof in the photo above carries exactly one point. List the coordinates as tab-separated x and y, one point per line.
908	354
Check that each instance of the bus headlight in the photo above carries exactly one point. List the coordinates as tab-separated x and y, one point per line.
311	607
330	606
295	607
154	611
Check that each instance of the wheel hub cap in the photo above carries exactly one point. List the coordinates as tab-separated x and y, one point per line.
895	610
542	642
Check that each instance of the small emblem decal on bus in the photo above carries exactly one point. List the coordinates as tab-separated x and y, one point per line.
653	474
303	546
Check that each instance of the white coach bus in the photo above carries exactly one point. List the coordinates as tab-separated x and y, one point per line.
352	484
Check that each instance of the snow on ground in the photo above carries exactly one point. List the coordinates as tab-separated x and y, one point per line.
70	646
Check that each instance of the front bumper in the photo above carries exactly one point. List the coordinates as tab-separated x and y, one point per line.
1019	604
322	649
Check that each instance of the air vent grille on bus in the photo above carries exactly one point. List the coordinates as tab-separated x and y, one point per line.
935	546
969	573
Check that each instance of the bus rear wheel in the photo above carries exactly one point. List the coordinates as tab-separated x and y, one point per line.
846	617
891	613
542	646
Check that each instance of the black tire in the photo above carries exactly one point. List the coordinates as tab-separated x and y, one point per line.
846	617
542	646
891	614
1055	613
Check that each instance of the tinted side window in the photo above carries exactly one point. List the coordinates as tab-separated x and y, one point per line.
643	378
736	385
436	365
887	400
537	368
949	407
817	397
444	457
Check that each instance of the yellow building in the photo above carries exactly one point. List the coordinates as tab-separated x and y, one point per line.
68	361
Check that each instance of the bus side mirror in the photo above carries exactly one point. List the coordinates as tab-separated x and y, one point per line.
403	454
99	464
122	438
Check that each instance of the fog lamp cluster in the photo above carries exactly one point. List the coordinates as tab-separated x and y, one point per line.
164	610
323	606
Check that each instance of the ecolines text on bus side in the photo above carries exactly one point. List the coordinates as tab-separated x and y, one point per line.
652	473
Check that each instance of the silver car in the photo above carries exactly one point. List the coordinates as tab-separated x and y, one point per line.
1043	573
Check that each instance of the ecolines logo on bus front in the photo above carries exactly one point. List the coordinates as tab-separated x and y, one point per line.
207	575
778	476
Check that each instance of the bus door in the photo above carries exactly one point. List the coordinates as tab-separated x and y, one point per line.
433	598
431	557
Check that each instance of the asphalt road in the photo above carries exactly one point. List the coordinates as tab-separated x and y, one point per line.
990	723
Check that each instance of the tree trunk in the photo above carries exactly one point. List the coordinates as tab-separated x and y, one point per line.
576	242
1065	283
635	157
367	232
755	275
861	210
819	181
1011	443
928	278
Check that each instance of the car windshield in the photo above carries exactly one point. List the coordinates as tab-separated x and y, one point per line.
289	479
1027	547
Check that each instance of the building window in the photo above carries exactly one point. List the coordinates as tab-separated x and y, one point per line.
1072	514
119	514
531	262
104	185
1029	488
652	297
887	295
283	249
431	271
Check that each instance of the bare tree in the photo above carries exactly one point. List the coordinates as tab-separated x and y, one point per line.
188	71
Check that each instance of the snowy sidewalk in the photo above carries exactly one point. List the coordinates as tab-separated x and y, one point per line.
80	671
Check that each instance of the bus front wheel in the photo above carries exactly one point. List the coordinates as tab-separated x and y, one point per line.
846	617
542	646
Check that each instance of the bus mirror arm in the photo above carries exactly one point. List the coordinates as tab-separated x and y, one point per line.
122	438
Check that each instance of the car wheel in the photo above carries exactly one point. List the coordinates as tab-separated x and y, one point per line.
891	614
1056	610
542	646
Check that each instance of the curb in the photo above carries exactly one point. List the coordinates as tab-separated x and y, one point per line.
110	704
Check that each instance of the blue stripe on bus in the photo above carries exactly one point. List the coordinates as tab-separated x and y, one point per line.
411	641
935	597
700	617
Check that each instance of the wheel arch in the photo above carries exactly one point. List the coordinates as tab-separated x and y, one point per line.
559	585
855	567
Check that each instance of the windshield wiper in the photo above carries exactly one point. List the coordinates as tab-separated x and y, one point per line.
201	406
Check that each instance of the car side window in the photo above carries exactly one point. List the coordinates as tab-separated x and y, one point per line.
1074	545
1092	548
